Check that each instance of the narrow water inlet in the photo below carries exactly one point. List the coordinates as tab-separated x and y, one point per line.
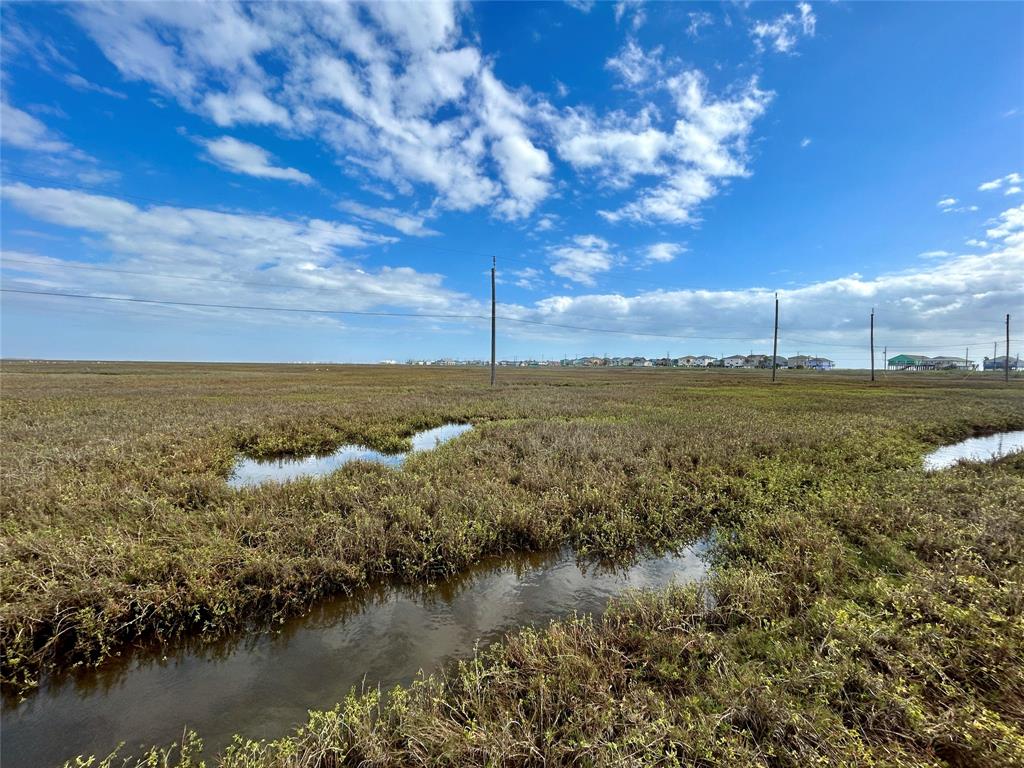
984	448
251	472
262	684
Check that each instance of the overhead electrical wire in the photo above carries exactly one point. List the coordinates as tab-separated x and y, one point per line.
426	315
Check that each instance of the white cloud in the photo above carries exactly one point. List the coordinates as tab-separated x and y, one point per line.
950	205
934	254
1009	227
624	8
663	252
79	83
528	278
699	19
783	32
805	142
524	168
582	258
584	6
706	143
302	262
546	222
249	159
1015	190
956	301
20	129
634	65
390	87
406	223
1012	179
245	105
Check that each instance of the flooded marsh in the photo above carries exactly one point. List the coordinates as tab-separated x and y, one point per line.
836	555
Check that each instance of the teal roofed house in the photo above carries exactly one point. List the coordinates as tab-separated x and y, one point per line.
906	362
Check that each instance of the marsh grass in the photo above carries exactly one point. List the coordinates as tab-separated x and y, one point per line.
860	612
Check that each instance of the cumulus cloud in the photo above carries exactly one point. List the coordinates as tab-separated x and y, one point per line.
634	65
955	301
305	263
581	258
1009	227
250	160
663	252
391	87
1012	180
528	278
951	205
783	32
705	144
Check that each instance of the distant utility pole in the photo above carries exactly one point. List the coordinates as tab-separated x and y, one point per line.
872	343
1006	368
885	357
967	358
775	342
494	304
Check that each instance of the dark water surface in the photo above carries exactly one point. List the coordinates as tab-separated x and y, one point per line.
985	448
248	472
261	684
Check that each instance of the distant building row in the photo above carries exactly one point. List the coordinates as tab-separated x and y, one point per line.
943	363
703	361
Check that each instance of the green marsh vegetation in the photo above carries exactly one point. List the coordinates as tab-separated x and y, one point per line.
859	611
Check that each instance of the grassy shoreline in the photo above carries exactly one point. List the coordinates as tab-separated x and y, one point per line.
117	523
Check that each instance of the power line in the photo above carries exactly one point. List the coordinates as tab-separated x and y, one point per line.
210	305
253	307
310	225
427	315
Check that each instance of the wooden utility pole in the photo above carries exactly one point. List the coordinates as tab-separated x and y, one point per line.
1006	368
885	358
967	358
775	342
872	343
494	304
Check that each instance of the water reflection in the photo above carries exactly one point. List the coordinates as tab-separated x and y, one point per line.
262	684
249	472
985	448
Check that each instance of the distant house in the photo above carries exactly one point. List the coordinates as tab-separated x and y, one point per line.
820	364
999	363
798	361
907	362
780	361
734	361
703	361
951	364
687	361
757	361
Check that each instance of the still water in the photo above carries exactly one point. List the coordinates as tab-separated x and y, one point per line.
985	448
248	472
261	684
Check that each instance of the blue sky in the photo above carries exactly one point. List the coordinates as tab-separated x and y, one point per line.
651	171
